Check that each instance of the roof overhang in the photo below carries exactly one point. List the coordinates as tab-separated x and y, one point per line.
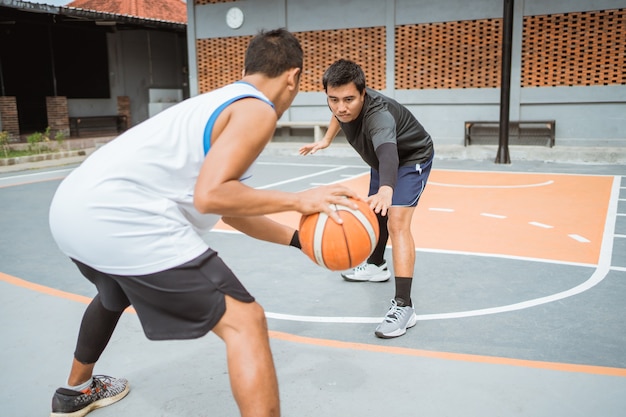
98	18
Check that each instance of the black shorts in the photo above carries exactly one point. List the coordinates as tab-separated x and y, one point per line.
184	302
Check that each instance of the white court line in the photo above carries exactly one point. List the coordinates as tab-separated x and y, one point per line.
21	179
495	216
296	164
510	257
598	275
344	177
545	226
300	178
541	184
601	271
39	174
466	253
579	238
445	210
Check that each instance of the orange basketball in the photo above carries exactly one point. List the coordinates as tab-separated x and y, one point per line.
340	246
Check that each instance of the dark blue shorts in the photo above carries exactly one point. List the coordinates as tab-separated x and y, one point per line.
409	186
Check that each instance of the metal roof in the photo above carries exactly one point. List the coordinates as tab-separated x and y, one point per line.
91	15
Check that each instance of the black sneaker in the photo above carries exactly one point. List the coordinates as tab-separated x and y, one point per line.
104	390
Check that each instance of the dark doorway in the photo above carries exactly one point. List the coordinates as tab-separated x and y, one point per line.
26	71
44	55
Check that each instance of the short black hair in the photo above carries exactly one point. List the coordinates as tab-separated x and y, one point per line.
273	52
343	72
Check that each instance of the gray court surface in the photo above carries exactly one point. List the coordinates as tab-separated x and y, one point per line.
556	359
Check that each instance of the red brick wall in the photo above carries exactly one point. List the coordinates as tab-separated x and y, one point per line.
123	108
8	116
58	117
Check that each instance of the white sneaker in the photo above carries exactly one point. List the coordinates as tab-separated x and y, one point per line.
368	272
397	320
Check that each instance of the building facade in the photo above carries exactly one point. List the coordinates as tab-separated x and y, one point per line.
441	58
59	64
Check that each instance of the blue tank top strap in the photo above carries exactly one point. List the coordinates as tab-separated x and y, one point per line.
208	129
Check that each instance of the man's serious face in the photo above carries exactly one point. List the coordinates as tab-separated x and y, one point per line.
345	101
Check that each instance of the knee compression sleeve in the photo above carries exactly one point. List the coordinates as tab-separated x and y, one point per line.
95	331
378	255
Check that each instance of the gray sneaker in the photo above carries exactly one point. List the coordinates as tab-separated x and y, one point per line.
104	390
368	272
397	320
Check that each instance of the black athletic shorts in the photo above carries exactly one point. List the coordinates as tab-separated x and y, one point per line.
184	302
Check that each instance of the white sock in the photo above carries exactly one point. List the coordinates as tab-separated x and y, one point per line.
80	387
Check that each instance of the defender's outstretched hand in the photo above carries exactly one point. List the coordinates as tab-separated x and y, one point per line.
311	148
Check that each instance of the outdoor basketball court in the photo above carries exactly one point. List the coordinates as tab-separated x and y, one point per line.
519	287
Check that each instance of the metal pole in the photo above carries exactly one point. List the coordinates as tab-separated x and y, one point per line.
505	84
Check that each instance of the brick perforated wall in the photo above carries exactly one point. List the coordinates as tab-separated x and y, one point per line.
574	49
365	46
220	60
571	49
463	54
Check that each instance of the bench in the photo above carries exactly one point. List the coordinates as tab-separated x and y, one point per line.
98	124
318	127
530	132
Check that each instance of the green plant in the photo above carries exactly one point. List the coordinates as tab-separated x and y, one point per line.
59	137
4	143
35	142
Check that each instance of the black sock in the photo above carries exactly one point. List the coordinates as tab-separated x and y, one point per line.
403	291
295	240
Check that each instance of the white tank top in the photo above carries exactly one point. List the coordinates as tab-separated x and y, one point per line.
128	208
